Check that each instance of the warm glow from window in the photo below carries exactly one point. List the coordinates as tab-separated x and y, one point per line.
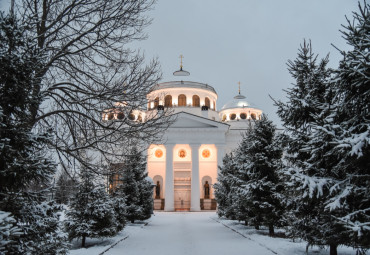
158	153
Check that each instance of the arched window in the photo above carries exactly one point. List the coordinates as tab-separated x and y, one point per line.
131	116
233	116
224	117
156	102
243	116
253	116
110	116
196	101
140	118
207	102
120	116
182	100
168	101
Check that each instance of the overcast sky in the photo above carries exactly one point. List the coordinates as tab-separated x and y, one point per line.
224	42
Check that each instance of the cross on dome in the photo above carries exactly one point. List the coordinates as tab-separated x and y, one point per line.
181	72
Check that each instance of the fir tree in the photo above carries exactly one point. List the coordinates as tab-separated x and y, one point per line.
92	212
137	190
259	186
23	159
310	164
224	188
350	124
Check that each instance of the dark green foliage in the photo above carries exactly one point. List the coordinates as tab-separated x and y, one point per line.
24	163
224	190
259	187
92	212
249	187
136	189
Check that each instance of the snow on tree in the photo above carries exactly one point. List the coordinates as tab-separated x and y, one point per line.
24	162
350	188
91	72
9	232
134	187
224	188
92	212
310	164
259	186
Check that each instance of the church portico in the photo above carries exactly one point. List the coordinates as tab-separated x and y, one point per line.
185	168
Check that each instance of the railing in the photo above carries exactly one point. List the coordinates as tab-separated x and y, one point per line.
187	84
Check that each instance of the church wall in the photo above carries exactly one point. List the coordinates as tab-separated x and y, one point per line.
188	92
157	165
207	167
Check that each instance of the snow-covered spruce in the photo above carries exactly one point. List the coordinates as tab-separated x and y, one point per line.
328	157
350	187
249	187
25	169
224	188
310	166
134	187
92	212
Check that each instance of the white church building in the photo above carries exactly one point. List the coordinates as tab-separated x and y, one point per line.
185	167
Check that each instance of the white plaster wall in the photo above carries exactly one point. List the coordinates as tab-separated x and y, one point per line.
157	166
247	110
207	167
188	92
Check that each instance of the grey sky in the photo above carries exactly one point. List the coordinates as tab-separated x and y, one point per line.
224	42
250	41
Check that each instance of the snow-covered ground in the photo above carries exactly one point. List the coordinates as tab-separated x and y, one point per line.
196	233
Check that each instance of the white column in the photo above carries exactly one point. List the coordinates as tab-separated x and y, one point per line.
169	193
220	156
195	184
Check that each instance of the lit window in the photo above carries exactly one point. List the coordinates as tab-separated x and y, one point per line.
158	153
206	153
182	100
196	101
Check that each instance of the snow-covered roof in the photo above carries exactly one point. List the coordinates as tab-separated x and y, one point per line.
239	101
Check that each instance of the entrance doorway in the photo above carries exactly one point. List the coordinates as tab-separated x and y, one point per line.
182	186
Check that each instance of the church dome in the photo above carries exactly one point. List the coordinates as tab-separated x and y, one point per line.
239	109
239	101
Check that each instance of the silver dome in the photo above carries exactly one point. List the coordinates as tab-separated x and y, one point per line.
239	101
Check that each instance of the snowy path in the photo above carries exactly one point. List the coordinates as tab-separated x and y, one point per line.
186	233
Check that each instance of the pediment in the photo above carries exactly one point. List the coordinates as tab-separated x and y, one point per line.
186	120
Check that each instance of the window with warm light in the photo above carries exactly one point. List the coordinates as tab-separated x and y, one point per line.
196	101
182	100
158	153
168	101
206	153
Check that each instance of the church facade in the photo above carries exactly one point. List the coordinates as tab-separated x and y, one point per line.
185	167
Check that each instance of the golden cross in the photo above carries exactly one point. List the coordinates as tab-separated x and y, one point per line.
181	57
239	87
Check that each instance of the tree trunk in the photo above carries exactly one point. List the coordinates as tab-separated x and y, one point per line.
257	227
83	241
132	220
271	230
333	249
246	222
